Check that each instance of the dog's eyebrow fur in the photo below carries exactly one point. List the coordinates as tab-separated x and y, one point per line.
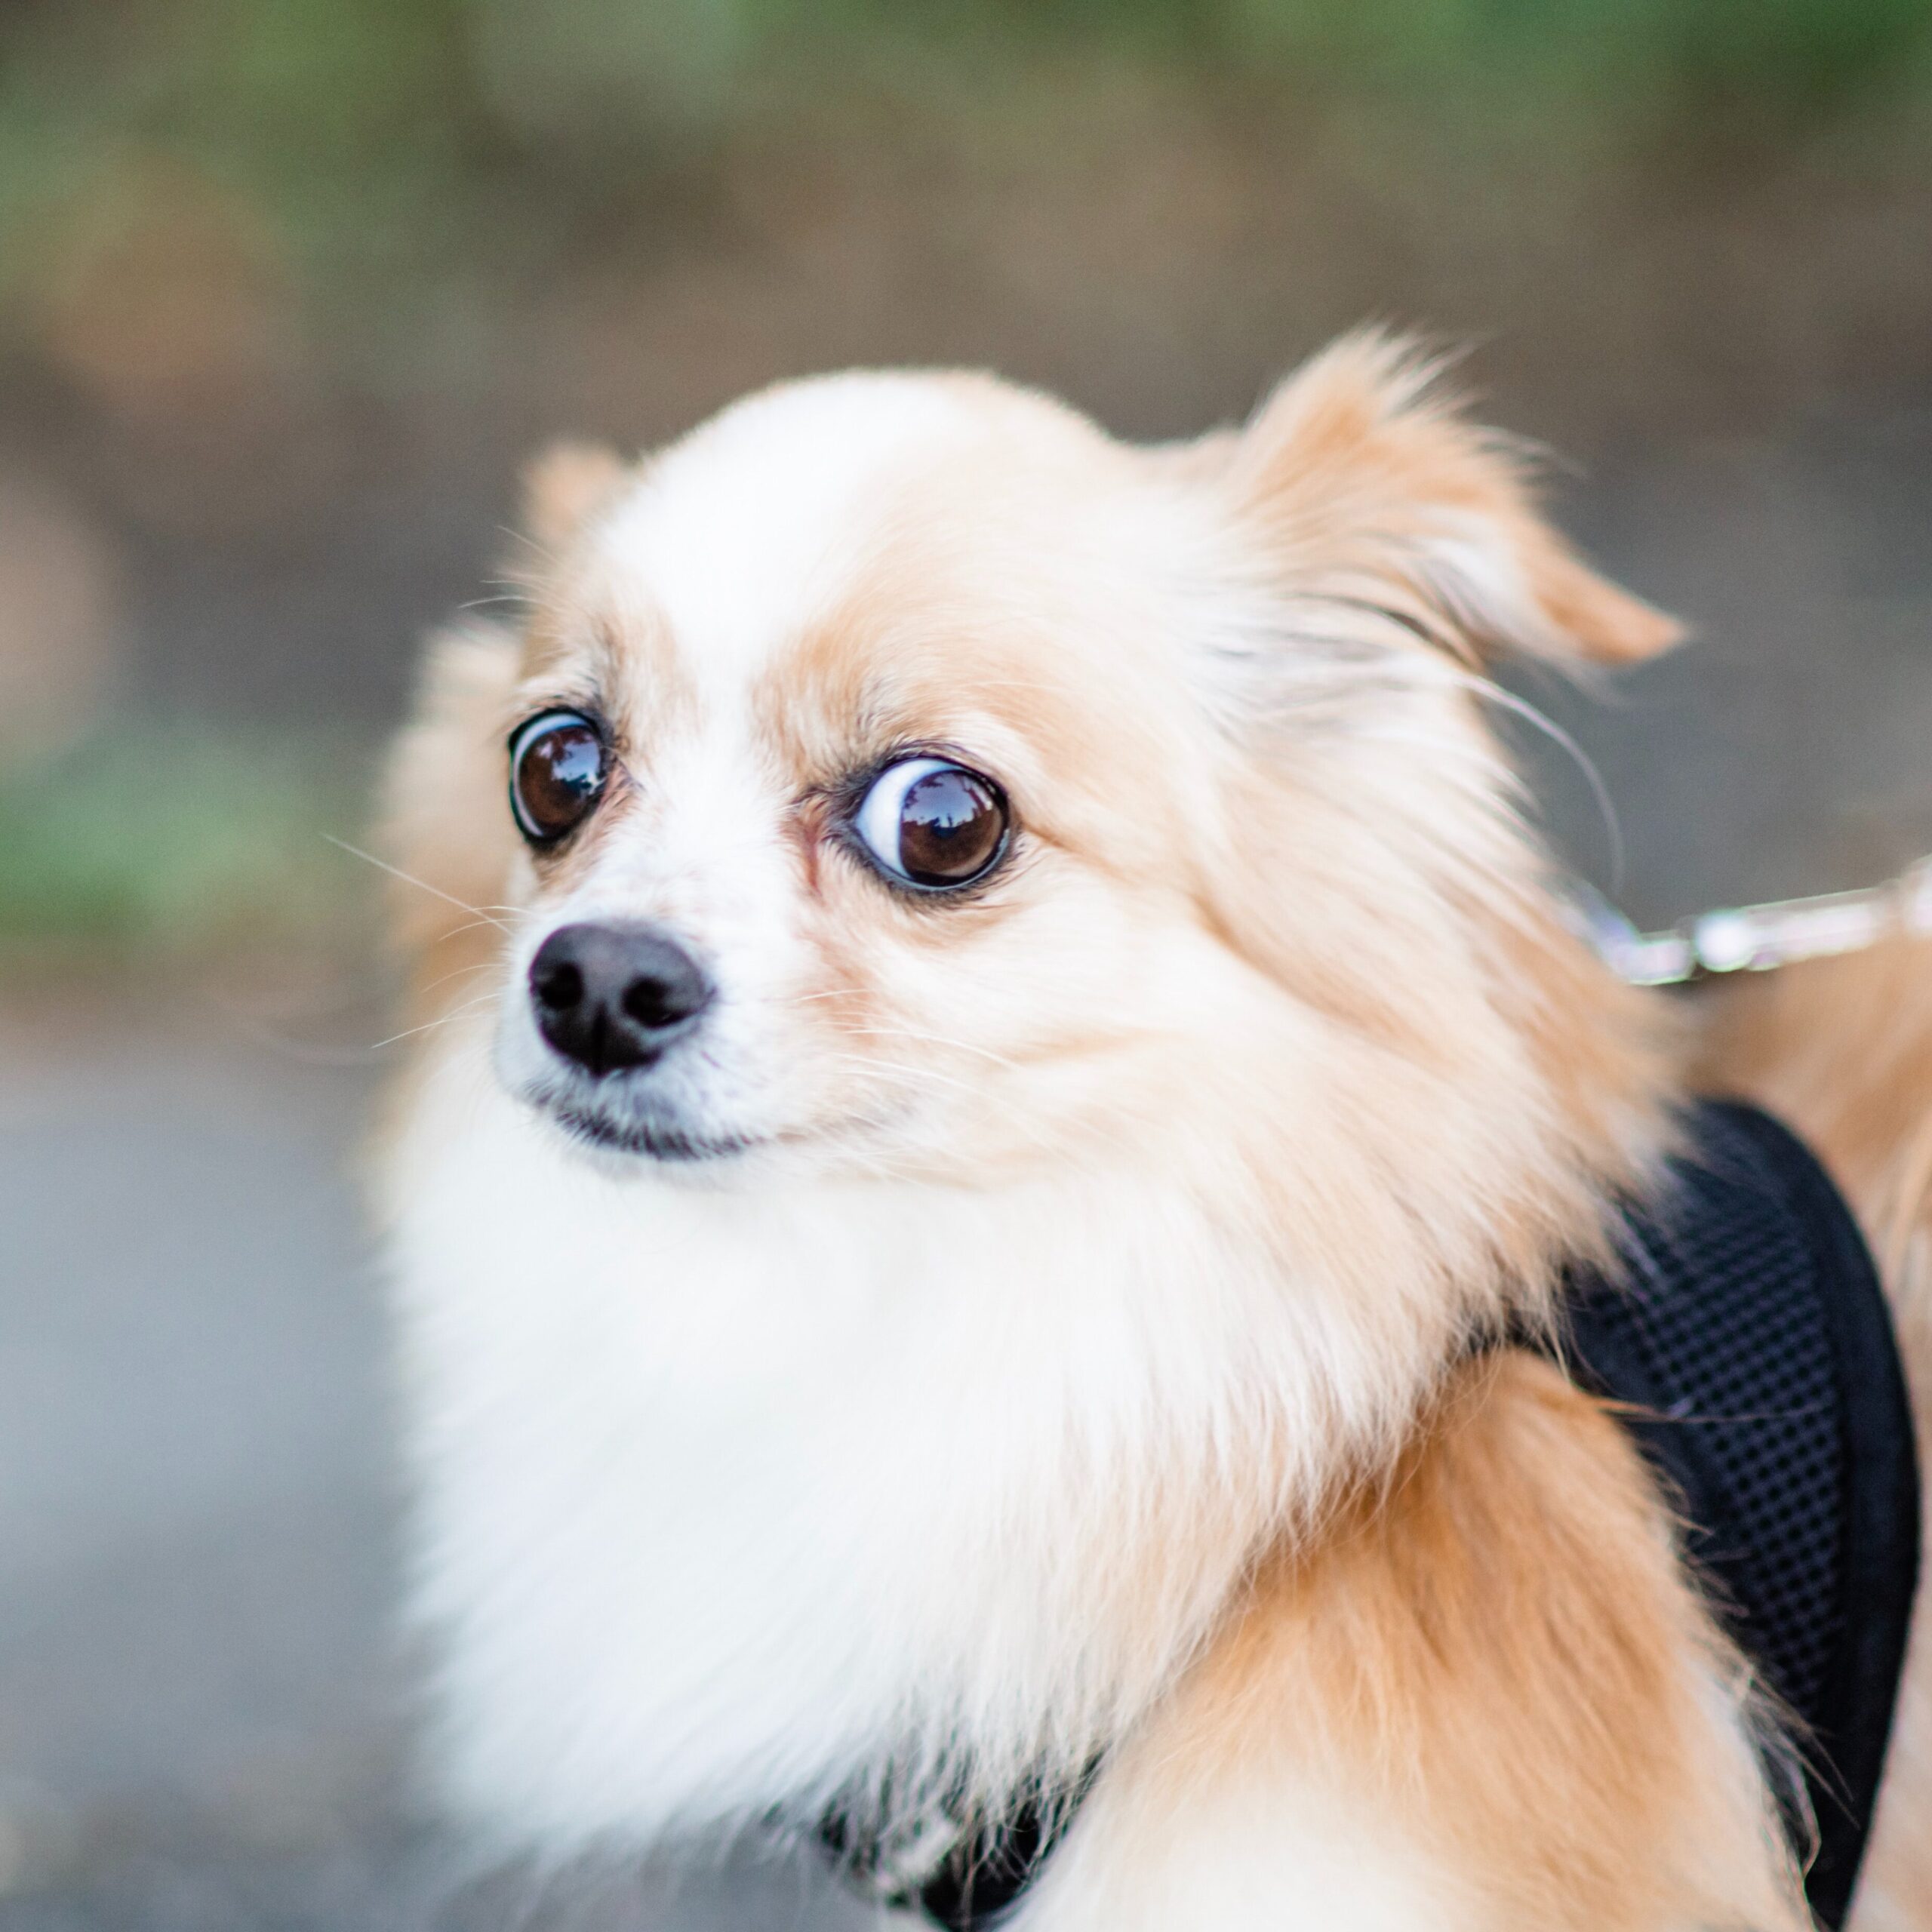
601	638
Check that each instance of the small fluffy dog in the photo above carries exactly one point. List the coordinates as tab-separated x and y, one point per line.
1006	1034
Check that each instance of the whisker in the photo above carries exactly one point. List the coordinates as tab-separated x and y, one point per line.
442	1020
905	1076
543	550
410	878
458	972
1606	806
304	1053
931	1040
470	925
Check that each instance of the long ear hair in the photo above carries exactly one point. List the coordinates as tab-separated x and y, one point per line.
1361	472
1370	855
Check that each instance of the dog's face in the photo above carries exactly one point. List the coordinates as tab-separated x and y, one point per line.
854	768
905	779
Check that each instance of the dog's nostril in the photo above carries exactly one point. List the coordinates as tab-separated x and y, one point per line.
651	1002
659	1000
559	987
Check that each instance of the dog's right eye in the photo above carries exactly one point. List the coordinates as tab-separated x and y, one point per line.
931	824
558	767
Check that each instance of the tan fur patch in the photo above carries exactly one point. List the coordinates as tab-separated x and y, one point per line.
1363	473
565	486
1493	1652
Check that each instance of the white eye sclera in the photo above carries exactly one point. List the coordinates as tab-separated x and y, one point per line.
557	767
931	823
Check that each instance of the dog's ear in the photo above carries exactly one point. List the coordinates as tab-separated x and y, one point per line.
1364	481
443	823
565	485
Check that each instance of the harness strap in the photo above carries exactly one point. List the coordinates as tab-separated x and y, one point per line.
1749	1335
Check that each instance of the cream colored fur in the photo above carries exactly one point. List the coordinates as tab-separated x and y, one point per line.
1067	1363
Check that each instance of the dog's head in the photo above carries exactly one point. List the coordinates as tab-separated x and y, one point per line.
898	776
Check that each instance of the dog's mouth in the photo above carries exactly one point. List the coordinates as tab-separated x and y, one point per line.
655	1140
632	1117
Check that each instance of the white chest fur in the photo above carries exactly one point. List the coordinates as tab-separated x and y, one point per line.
724	1497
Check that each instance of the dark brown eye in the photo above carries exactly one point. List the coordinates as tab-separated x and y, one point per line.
932	823
557	765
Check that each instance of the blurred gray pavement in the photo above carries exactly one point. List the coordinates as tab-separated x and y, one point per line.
200	1710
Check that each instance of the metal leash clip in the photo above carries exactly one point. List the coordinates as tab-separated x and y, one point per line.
1754	939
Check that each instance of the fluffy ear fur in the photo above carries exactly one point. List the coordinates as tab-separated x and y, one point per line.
566	484
1370	485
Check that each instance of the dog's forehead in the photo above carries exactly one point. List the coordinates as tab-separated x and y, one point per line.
735	538
842	564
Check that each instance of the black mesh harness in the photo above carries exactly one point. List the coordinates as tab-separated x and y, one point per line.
1753	1342
1751	1351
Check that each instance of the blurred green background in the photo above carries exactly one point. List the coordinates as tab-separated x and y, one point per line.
288	287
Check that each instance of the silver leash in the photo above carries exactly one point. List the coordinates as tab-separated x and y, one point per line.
1754	938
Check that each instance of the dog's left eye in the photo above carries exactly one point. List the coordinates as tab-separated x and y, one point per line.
558	765
932	823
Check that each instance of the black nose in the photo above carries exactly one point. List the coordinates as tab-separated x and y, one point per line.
613	996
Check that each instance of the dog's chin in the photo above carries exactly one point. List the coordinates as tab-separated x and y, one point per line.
648	1139
626	1138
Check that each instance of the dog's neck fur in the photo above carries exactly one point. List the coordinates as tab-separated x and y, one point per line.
737	1500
